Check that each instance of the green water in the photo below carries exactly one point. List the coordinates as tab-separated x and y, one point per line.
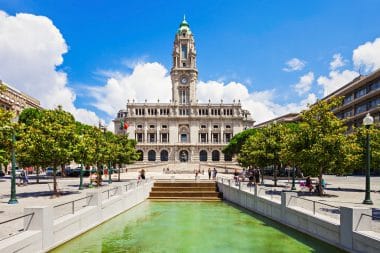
199	227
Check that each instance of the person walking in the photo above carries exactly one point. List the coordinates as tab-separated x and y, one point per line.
209	174
214	173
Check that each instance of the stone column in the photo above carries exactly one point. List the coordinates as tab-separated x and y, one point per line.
352	219
42	220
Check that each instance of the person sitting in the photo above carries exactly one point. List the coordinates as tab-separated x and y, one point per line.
309	184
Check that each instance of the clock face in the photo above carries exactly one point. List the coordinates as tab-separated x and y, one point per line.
183	80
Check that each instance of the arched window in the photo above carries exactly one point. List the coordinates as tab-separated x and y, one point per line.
227	157
151	156
203	156
164	155
141	155
215	156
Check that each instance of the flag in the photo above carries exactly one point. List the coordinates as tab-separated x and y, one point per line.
125	125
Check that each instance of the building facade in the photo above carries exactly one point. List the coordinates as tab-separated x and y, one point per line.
183	130
360	96
13	100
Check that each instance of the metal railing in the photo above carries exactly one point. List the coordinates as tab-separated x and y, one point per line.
107	194
368	223
70	207
315	207
15	226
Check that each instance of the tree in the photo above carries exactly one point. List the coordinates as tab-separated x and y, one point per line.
29	153
236	143
5	136
125	151
320	145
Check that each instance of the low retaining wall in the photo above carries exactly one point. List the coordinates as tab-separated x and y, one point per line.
45	232
341	233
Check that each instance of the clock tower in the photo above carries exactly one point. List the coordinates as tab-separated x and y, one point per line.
184	73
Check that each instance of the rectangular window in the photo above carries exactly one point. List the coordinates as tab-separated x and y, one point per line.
184	51
375	86
228	137
347	99
183	137
164	137
215	138
152	138
361	108
361	92
139	137
203	138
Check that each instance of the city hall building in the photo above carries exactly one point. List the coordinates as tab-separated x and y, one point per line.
183	130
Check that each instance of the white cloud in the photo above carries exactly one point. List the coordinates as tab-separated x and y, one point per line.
337	62
335	80
367	56
304	84
31	48
294	65
147	81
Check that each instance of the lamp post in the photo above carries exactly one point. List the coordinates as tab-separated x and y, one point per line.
367	122
294	179
81	168
13	199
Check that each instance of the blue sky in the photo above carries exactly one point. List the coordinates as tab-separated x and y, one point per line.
247	42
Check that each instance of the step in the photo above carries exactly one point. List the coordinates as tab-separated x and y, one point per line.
180	189
184	184
184	194
176	199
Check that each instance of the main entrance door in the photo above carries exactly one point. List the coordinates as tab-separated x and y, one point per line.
183	156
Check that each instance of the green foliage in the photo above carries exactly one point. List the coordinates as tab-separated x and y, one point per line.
321	145
6	128
236	143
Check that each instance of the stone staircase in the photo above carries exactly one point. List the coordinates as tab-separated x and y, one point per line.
185	191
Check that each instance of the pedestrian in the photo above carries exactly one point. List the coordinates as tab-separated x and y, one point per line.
309	184
25	179
142	174
214	173
209	174
196	175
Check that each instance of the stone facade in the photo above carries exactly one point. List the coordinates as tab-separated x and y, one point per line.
16	101
183	130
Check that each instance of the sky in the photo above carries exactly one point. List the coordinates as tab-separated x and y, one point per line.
275	56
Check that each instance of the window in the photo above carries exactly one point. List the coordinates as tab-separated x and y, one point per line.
203	126
164	126
183	137
215	138
152	138
215	156
203	156
228	126
141	155
215	126
140	137
139	126
347	114
227	157
151	126
152	155
164	155
360	92
164	137
184	51
228	137
203	138
375	86
374	103
361	108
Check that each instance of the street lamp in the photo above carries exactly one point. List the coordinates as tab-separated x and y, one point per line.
13	199
367	122
109	156
294	179
81	167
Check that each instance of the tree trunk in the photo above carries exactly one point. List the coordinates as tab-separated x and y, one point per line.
38	174
275	175
63	170
118	175
262	176
99	175
55	188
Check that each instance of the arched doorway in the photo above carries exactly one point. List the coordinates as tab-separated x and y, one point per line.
183	156
141	155
215	156
151	156
164	156
203	156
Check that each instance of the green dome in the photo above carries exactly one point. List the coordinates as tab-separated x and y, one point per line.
184	26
